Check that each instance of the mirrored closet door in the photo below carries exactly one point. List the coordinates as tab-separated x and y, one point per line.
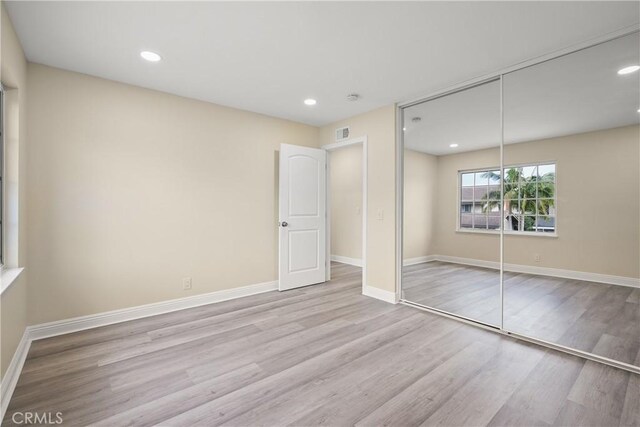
572	188
521	202
452	204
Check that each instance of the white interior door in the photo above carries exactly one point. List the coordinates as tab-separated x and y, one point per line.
302	224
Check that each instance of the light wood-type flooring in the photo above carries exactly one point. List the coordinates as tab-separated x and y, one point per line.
321	355
593	317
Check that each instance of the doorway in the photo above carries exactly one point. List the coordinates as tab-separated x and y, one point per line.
347	206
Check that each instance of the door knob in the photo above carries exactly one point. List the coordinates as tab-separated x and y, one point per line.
284	223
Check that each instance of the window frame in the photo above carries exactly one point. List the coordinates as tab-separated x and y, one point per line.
497	231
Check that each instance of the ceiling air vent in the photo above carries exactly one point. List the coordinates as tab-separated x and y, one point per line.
342	133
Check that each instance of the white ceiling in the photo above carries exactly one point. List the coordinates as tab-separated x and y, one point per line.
269	57
576	93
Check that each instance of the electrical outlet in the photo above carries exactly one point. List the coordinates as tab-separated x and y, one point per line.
186	283
536	257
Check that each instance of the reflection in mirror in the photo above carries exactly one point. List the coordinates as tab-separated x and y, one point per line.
572	186
451	241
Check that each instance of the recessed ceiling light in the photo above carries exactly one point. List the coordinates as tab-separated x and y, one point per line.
150	56
638	110
405	129
453	145
629	70
310	101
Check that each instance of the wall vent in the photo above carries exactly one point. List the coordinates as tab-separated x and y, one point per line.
342	133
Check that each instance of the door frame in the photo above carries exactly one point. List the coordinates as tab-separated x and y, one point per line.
332	147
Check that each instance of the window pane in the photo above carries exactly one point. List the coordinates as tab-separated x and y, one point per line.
466	221
547	172
467	193
529	223
493	220
546	224
546	207
546	190
528	206
511	176
467	179
494	192
511	191
527	190
529	173
480	193
482	178
480	221
494	178
511	206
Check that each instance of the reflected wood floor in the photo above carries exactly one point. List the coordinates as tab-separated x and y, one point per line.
594	317
321	355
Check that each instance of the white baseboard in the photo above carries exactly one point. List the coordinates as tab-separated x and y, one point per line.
66	326
346	260
545	271
380	294
418	260
10	377
468	261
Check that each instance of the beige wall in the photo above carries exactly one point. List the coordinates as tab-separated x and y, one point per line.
131	190
13	302
420	187
598	190
379	126
484	247
345	185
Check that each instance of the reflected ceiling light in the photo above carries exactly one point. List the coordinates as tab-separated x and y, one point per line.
453	145
629	70
405	129
310	101
638	110
150	56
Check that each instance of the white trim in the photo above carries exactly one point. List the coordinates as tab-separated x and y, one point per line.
544	271
418	260
380	294
399	235
10	377
365	209
346	260
66	326
8	276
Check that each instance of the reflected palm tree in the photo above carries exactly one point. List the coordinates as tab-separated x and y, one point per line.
521	202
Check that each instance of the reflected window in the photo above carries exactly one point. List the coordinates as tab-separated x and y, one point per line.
480	200
529	202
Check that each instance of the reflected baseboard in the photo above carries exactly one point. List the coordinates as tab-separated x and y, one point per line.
530	269
419	260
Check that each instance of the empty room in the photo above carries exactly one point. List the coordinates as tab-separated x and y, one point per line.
320	213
